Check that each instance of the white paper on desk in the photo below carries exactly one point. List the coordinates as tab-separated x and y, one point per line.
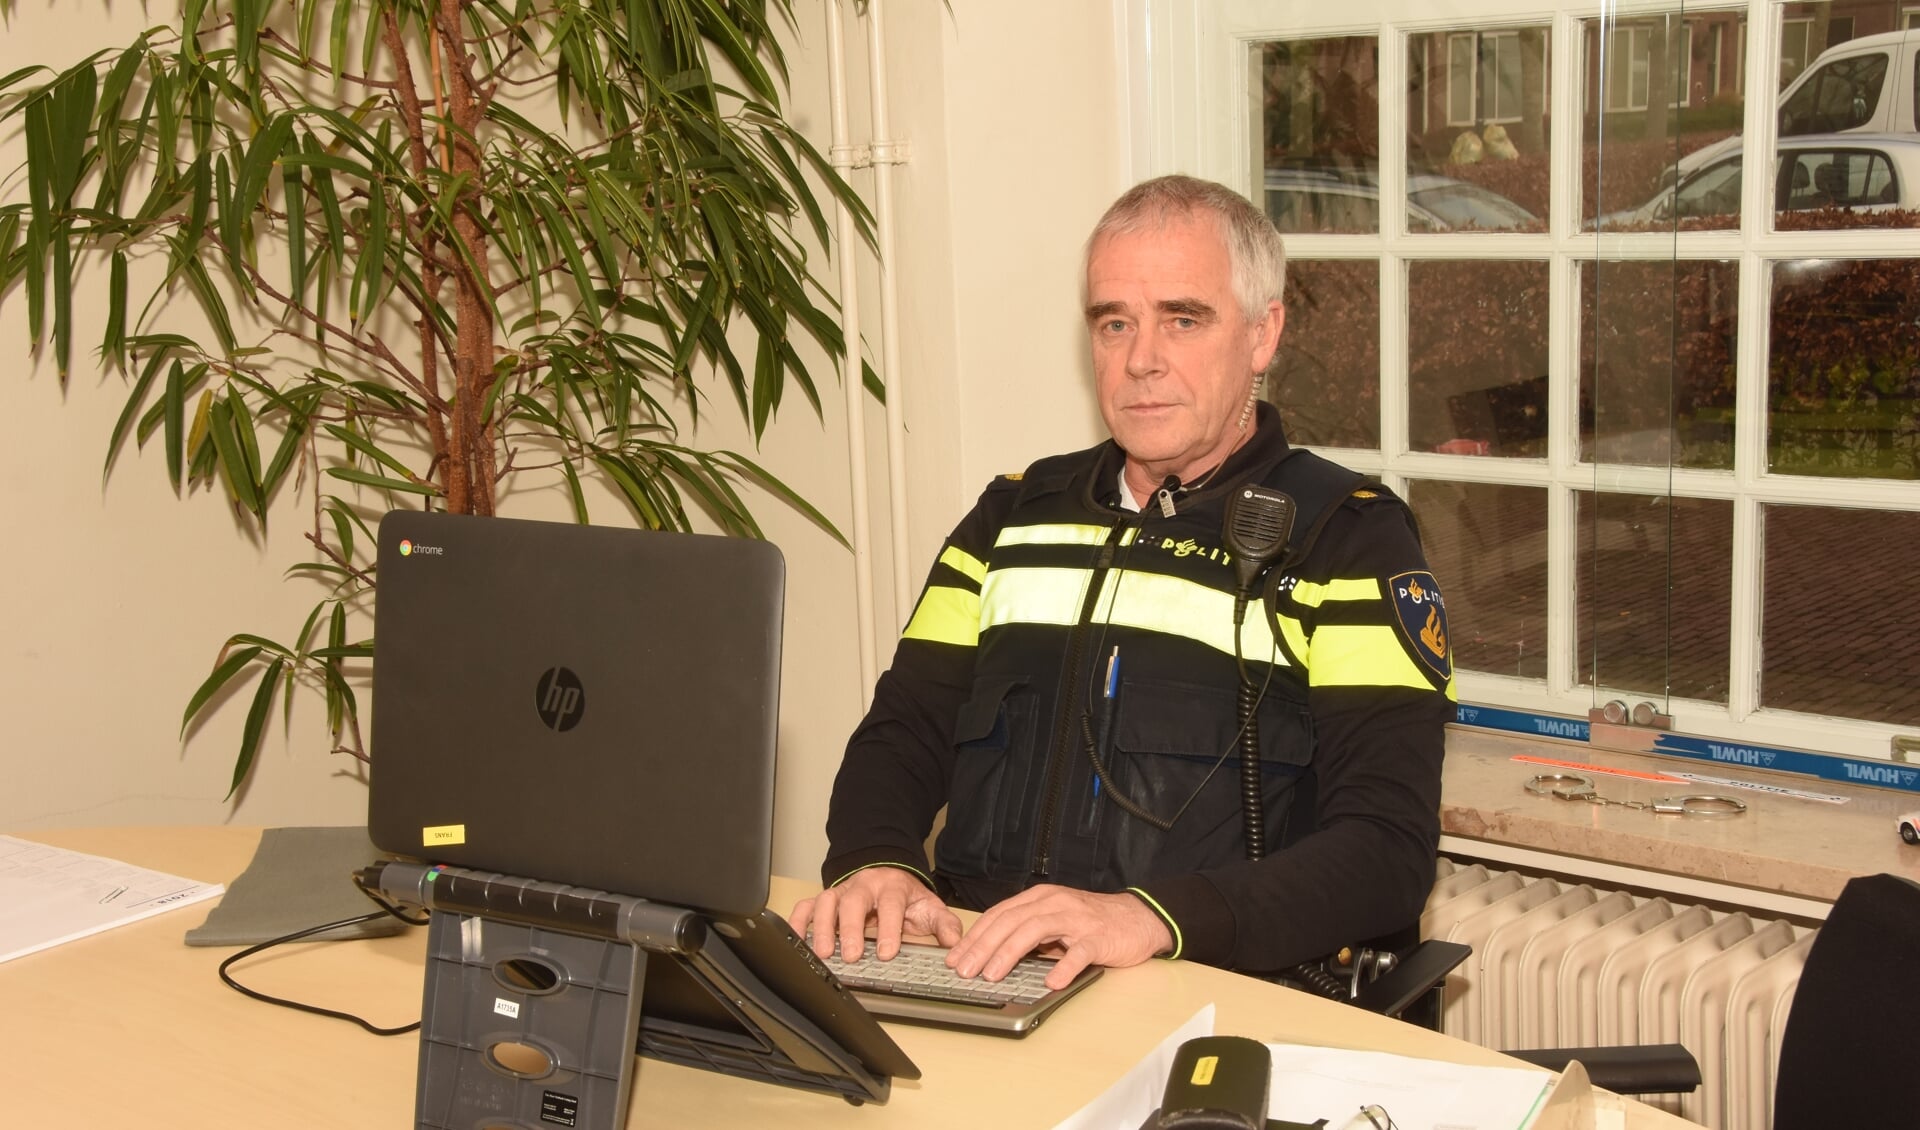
1135	1095
1420	1094
51	895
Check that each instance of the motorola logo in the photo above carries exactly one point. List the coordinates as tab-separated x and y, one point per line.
561	699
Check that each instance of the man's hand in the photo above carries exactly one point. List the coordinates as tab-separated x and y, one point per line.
892	899
1114	930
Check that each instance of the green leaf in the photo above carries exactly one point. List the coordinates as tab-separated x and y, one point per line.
365	478
113	344
256	724
366	447
232	456
343	530
574	493
135	400
222	674
782	491
346	651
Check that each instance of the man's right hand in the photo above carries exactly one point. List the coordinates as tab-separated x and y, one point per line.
892	899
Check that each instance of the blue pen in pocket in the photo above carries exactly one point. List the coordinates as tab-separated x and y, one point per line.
1113	685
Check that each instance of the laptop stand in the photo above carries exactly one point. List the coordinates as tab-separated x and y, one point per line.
531	1009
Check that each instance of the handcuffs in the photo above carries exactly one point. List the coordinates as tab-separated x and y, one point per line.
1577	786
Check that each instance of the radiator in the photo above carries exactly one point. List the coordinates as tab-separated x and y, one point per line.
1562	964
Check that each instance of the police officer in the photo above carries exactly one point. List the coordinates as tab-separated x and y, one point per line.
1069	684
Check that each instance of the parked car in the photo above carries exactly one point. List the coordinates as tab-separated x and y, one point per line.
1909	826
1873	172
1865	85
1348	200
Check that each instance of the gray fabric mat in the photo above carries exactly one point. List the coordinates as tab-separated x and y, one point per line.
299	877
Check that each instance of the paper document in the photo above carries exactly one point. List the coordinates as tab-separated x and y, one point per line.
1421	1094
1136	1094
49	895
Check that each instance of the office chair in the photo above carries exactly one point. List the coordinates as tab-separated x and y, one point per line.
1847	1054
1847	1057
1412	992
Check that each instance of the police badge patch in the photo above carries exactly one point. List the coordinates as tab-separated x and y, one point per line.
1422	613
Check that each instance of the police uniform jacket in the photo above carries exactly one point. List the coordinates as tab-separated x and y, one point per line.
1058	628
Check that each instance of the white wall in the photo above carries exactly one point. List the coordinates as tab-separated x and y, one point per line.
117	596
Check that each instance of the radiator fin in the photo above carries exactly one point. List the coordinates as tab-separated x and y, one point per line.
1558	964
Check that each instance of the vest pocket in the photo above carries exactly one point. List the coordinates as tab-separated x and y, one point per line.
987	782
1166	742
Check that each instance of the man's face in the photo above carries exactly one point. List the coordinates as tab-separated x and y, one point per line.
1173	353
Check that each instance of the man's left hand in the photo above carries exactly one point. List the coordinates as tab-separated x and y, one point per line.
1114	930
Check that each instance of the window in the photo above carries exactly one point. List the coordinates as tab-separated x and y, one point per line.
1485	76
1635	448
1841	95
1827	178
1796	40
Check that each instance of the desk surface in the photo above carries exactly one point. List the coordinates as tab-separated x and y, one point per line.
134	1024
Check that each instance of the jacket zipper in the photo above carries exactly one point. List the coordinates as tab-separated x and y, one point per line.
1059	755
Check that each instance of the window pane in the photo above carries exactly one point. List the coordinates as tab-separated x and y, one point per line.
1670	85
1326	377
1478	348
1843	375
1866	181
1477	131
1656	593
1488	548
1829	647
1838	165
1657	345
1320	133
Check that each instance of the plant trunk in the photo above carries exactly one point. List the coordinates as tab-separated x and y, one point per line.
470	455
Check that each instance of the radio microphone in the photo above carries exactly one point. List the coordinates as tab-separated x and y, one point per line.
1258	522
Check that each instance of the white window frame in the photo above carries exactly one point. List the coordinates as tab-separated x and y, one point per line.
1909	18
1188	69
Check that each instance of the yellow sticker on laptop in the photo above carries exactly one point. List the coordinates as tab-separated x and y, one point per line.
445	835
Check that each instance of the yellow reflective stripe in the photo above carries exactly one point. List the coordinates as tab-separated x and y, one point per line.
1361	655
1060	533
1294	633
1176	607
1149	601
1313	595
1032	596
964	563
1179	940
946	615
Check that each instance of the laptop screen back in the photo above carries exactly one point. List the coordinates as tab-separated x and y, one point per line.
589	705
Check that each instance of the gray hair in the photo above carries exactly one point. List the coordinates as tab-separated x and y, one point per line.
1256	256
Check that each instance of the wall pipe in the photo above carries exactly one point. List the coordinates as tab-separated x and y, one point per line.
842	158
886	154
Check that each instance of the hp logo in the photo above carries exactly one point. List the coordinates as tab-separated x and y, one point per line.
560	698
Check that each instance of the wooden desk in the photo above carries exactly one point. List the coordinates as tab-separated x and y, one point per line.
133	1028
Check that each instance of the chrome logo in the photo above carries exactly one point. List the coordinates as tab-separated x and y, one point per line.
406	547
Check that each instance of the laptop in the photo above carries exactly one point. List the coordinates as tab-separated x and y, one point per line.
596	708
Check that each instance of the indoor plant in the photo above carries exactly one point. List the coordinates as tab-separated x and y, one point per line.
434	247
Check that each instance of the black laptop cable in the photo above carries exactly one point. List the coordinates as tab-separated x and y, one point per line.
386	909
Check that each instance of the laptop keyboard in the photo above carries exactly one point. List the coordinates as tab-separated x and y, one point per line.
921	971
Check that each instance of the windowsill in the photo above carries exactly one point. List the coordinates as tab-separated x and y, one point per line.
1781	844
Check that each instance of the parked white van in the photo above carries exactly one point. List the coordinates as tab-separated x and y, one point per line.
1866	84
1862	84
